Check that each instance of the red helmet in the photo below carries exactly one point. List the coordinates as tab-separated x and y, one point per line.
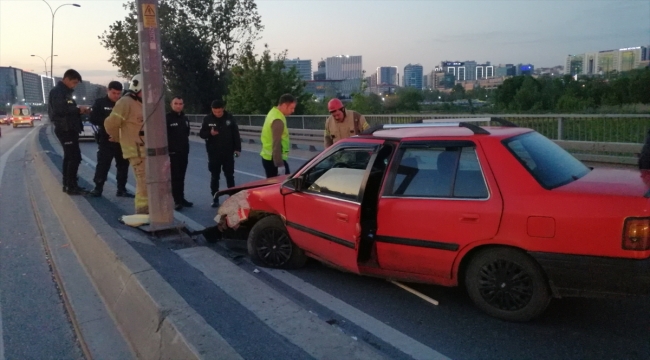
334	104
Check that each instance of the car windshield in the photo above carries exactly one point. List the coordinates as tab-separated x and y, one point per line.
549	164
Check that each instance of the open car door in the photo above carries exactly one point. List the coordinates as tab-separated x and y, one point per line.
324	216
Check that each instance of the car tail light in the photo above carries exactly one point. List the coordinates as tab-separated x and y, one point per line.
636	234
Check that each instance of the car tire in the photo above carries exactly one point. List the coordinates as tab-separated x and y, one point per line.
507	284
14	125
269	245
31	124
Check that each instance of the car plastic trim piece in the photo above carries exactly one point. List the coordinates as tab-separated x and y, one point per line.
418	243
331	238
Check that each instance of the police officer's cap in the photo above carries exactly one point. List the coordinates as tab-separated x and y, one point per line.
217	104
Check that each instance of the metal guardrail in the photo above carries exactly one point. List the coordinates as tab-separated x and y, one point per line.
606	138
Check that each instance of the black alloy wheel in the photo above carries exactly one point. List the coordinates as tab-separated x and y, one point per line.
269	245
505	285
508	284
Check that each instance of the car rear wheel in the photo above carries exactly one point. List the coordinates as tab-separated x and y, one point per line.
507	284
269	245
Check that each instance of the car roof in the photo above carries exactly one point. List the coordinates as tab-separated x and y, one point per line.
447	131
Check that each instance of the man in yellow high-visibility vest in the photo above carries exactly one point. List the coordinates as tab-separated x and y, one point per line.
275	136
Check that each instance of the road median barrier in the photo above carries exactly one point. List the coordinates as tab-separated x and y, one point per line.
153	318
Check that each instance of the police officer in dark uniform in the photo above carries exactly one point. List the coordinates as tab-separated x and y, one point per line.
66	117
223	143
108	150
178	142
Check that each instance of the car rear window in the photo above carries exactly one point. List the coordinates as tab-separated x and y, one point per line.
549	164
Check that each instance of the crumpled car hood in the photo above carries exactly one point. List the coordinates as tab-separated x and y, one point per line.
253	184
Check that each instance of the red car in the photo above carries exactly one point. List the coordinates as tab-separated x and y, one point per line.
500	210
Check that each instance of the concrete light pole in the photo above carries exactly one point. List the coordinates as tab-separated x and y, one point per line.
52	43
161	215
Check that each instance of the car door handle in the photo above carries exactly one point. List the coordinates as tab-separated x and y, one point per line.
469	218
342	217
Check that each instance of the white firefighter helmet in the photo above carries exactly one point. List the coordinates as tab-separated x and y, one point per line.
136	83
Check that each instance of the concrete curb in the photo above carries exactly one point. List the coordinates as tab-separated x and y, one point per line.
154	319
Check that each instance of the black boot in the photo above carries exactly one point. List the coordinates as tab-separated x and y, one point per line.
122	192
97	191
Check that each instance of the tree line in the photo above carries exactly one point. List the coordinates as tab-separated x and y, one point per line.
208	53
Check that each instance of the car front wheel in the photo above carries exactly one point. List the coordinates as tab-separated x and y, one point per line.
269	245
507	284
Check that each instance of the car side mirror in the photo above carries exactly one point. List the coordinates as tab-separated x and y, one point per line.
291	185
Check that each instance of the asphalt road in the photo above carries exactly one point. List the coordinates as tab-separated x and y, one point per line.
33	321
570	329
371	310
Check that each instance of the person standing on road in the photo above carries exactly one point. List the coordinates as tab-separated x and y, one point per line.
107	150
342	123
223	144
125	125
275	136
178	142
66	117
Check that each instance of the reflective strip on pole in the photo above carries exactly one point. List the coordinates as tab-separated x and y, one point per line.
155	129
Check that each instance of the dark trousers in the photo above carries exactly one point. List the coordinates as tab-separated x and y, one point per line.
178	165
218	162
71	156
106	152
271	170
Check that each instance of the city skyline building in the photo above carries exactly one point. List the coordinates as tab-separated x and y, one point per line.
19	86
606	61
302	66
387	75
413	74
468	70
343	67
320	73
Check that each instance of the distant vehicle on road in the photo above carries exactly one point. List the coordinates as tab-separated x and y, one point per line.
37	117
5	119
89	130
500	210
21	116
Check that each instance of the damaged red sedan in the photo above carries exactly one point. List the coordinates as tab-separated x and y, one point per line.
500	210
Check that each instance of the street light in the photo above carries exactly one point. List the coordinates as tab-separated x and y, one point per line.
52	44
44	61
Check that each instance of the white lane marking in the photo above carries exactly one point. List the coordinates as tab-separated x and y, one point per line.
399	340
3	164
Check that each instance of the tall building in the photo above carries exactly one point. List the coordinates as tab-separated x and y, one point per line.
468	70
387	75
505	70
605	61
302	66
413	76
8	86
343	67
525	69
33	88
48	84
320	73
18	86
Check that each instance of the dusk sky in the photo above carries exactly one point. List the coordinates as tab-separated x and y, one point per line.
385	33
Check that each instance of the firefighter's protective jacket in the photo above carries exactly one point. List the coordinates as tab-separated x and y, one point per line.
125	124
